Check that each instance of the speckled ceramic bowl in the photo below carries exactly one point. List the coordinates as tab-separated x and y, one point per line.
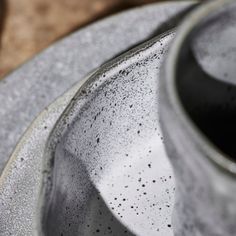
198	119
133	172
105	159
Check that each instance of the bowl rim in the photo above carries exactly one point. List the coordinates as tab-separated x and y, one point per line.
215	155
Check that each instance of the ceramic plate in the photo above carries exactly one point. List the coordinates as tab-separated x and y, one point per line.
28	90
20	180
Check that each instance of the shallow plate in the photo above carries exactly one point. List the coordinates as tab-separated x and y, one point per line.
19	184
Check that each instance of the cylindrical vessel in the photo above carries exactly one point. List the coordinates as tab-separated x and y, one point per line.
198	112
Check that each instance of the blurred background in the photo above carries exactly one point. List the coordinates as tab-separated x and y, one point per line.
29	26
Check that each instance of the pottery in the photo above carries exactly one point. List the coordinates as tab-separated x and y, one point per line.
20	181
106	149
31	88
197	109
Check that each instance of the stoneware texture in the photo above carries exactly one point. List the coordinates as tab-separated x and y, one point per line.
109	145
103	203
28	90
198	88
30	26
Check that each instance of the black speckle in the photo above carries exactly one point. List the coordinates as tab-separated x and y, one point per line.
98	140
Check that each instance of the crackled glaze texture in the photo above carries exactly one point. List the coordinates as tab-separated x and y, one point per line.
198	104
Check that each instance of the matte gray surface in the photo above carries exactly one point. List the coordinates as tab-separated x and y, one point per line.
20	182
31	88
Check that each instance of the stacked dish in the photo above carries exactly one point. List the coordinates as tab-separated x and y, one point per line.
93	161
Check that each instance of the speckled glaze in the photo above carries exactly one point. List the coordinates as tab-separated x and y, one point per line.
28	90
199	69
108	144
102	207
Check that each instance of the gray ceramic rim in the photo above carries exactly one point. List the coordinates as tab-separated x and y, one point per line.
35	122
221	160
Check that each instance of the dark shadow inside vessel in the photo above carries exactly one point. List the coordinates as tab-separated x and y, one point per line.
210	101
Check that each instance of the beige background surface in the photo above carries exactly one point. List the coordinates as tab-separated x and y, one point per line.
28	26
